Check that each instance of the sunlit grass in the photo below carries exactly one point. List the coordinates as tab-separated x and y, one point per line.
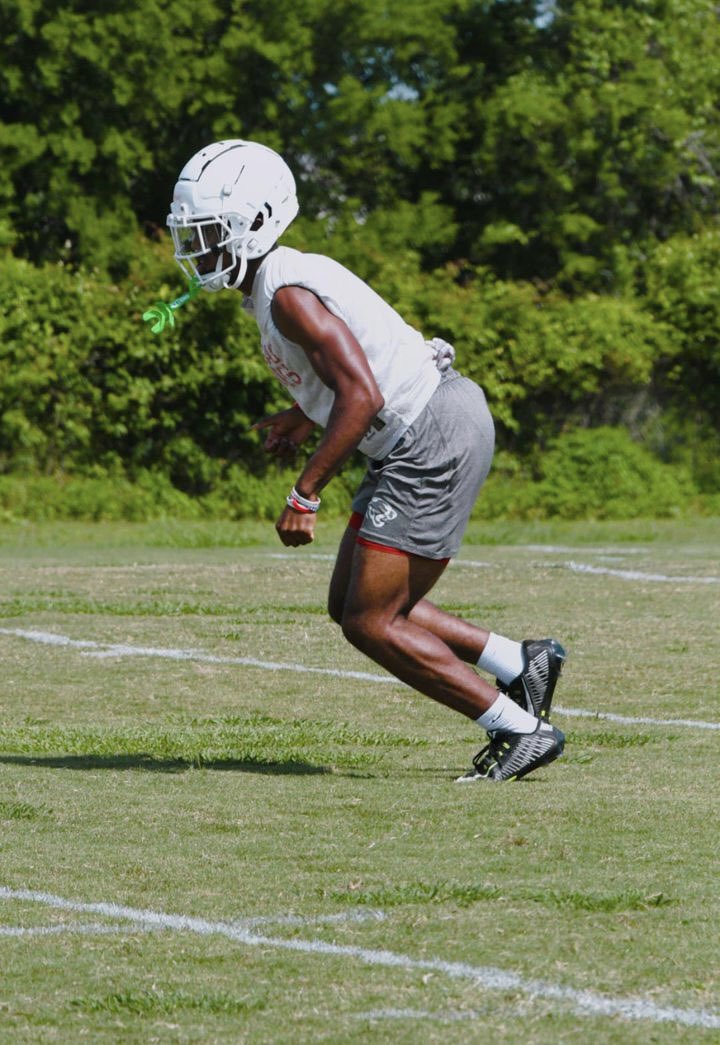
226	792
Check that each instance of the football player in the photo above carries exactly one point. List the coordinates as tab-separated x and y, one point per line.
375	384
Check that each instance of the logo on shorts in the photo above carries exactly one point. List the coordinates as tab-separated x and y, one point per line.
380	512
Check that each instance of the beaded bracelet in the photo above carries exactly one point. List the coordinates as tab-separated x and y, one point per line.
301	504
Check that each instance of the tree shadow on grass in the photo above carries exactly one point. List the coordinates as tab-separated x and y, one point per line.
151	764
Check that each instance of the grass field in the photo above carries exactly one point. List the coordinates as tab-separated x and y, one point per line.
211	830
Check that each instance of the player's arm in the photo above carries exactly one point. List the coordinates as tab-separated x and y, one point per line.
340	363
286	430
337	358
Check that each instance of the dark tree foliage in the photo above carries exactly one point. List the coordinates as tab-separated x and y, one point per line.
536	181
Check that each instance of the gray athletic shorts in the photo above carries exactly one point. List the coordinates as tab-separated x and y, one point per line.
418	499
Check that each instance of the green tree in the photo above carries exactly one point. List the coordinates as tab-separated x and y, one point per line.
102	104
607	138
536	183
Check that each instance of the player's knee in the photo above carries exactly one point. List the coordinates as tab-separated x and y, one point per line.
360	629
336	607
351	625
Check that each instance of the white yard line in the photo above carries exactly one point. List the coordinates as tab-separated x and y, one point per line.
576	567
106	928
635	720
317	556
582	1002
636	575
101	650
111	649
81	929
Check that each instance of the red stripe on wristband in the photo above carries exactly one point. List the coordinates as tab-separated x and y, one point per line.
297	507
301	504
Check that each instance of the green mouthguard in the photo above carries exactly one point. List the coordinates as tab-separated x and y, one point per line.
161	313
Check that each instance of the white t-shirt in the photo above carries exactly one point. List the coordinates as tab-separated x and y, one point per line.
402	362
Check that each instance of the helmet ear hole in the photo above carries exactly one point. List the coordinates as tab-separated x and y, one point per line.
259	221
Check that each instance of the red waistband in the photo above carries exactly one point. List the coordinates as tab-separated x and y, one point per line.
355	522
380	547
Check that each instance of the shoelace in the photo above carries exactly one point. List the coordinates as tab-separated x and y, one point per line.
490	754
487	758
481	755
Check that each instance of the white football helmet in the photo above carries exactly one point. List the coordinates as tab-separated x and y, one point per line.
232	201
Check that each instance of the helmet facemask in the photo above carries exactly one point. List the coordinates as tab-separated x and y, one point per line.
213	238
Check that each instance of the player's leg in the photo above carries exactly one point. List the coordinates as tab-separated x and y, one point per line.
412	509
528	671
342	570
466	640
384	586
382	589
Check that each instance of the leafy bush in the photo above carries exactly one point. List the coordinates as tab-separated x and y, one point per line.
682	289
544	360
593	473
87	391
589	474
44	498
245	496
85	387
601	473
152	496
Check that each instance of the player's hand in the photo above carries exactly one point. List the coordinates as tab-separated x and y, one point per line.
286	430
296	528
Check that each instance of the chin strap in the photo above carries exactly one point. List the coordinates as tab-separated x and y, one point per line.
161	313
242	261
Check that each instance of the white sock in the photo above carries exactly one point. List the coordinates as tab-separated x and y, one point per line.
502	657
505	716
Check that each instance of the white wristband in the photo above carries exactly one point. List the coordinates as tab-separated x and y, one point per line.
301	504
